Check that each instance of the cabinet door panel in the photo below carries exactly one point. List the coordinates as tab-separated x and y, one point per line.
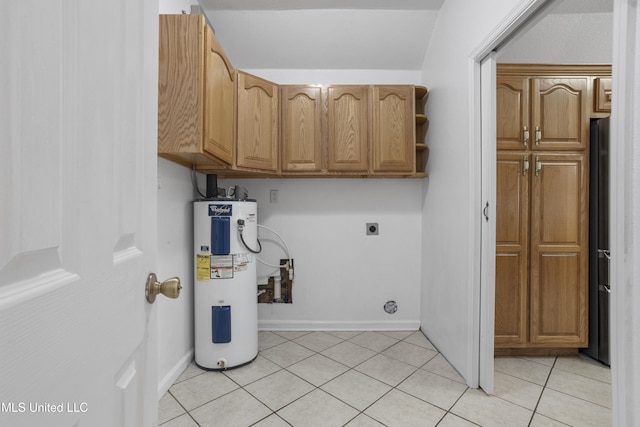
561	113
556	299
180	90
301	128
393	129
219	106
257	123
512	249
348	124
511	312
559	250
512	112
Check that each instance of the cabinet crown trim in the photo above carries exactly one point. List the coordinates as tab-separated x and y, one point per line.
553	69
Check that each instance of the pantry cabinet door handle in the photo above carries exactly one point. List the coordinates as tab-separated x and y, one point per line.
525	136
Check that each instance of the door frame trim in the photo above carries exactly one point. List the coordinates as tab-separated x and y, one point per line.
481	284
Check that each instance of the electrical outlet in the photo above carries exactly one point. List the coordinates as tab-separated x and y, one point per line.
372	229
273	196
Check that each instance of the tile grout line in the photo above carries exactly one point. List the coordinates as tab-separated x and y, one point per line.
544	387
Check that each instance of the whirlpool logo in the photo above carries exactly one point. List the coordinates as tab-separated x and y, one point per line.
220	210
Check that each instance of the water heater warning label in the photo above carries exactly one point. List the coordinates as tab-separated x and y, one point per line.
221	267
202	267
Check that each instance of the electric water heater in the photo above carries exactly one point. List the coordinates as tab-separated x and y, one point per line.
225	301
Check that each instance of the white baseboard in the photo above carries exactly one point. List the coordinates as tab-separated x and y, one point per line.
302	325
171	377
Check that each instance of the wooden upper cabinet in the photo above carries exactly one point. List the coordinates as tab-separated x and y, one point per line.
195	94
218	119
257	137
348	128
301	129
393	135
560	113
512	112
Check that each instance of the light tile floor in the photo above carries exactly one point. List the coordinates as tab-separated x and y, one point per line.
361	379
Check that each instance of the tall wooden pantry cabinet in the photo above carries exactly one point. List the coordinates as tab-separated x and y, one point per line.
543	115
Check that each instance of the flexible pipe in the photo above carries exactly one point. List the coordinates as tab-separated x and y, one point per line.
286	249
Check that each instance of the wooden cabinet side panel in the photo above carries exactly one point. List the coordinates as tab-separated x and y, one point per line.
393	129
180	90
602	95
561	112
512	250
219	108
301	128
512	113
257	123
559	251
348	128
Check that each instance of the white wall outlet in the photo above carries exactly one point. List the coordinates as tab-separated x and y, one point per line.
372	229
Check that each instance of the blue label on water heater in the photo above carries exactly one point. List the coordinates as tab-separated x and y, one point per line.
220	210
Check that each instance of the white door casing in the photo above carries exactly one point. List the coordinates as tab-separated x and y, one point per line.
78	108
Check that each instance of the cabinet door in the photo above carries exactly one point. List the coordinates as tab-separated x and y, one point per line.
257	123
560	113
347	124
180	90
219	104
559	250
512	111
512	249
393	136
301	128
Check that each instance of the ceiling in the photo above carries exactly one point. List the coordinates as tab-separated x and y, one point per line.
337	34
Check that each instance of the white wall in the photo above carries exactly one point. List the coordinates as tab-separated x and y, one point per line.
318	39
563	39
175	258
171	7
447	256
342	277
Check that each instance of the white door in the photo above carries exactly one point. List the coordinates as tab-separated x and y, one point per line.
78	103
488	219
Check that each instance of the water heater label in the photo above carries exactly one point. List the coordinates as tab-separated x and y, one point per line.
202	267
220	210
221	267
242	261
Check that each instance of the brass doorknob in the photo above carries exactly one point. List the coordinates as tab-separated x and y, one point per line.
169	288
